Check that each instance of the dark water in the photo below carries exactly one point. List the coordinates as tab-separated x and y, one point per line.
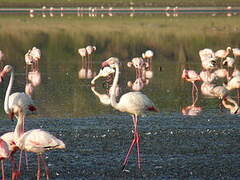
97	137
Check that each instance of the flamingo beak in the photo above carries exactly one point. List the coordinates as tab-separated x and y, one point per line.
104	64
11	115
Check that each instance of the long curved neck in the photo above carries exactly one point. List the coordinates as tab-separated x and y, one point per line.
19	129
6	100
114	87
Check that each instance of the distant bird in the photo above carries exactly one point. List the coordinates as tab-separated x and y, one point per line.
148	55
236	52
83	53
206	54
138	64
90	50
1	58
37	141
191	76
35	53
222	54
16	99
4	154
135	103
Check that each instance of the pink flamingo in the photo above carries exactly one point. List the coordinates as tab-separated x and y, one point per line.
138	64
135	103
1	58
16	99
4	154
231	105
28	60
12	148
222	54
35	53
90	50
191	76
236	52
37	141
206	54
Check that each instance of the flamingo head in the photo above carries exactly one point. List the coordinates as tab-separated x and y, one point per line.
5	70
112	62
184	74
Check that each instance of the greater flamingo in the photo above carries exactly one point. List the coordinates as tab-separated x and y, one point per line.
4	154
206	53
191	76
1	58
16	99
135	103
12	148
222	54
138	64
37	141
35	53
106	71
236	52
231	105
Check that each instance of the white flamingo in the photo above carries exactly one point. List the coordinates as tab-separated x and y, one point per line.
135	103
4	154
20	99
37	141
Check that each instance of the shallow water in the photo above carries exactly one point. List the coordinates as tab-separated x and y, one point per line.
97	137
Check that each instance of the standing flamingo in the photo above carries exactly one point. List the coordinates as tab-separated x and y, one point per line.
236	52
191	76
1	58
222	53
12	147
134	103
16	99
4	154
37	141
35	53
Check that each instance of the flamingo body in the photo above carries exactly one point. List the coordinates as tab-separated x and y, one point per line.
39	141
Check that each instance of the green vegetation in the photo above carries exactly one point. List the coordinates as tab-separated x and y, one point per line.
117	3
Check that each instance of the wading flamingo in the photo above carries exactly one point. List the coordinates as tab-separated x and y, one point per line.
4	154
20	99
222	54
191	76
134	103
12	147
35	53
236	52
37	141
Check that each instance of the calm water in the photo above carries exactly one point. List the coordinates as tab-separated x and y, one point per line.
97	137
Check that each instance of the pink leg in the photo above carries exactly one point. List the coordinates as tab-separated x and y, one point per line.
26	160
137	141
134	141
3	174
38	170
13	167
45	167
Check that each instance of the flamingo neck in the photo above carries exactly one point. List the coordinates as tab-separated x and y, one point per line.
9	88
19	129
114	87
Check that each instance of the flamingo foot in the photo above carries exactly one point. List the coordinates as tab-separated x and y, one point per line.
16	174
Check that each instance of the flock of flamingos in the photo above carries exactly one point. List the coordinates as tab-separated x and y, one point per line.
219	78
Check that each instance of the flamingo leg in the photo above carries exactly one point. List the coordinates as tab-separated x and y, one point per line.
45	167
3	174
238	96
26	160
38	170
134	141
13	167
137	140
